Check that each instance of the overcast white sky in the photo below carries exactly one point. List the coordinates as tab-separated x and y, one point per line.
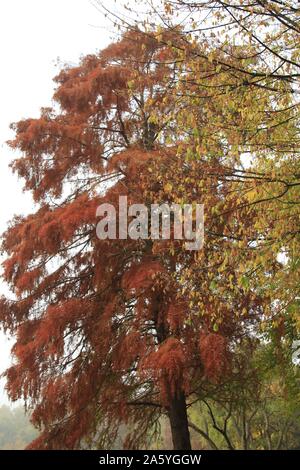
33	34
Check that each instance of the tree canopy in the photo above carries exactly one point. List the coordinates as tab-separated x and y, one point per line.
126	332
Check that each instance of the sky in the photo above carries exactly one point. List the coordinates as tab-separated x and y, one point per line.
33	35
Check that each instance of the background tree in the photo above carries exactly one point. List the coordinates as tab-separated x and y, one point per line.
259	412
253	83
16	432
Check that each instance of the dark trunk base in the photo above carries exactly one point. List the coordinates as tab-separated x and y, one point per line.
179	423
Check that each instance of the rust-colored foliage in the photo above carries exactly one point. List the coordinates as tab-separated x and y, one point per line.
107	330
214	355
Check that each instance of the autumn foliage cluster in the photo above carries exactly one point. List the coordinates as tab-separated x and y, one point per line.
124	332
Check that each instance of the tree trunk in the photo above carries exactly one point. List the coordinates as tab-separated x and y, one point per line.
179	423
